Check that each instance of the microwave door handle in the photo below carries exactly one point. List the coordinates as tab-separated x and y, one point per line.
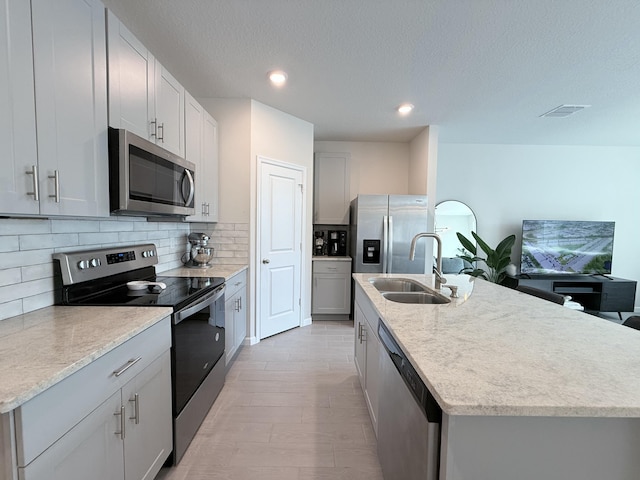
192	187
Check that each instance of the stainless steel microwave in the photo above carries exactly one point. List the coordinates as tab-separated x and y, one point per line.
145	179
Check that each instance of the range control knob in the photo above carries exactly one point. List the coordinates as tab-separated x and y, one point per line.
83	264
95	262
145	254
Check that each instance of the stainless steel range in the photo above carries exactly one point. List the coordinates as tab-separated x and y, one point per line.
126	276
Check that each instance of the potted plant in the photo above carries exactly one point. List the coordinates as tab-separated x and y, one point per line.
496	261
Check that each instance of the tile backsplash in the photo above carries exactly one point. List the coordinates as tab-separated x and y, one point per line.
27	275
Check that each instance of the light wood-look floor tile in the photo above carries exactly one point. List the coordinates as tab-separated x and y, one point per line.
291	409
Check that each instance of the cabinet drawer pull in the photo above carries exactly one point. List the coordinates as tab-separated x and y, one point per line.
136	408
161	128
56	186
154	122
126	366
36	190
122	422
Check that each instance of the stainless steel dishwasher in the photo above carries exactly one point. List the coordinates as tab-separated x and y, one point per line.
408	418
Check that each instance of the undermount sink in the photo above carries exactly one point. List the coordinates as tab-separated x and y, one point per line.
397	285
424	298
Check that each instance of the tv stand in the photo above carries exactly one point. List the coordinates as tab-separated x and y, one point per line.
599	293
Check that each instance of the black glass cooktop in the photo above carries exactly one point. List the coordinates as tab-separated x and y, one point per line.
180	291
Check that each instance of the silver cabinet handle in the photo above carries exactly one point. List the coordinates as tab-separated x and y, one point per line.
192	187
265	261
154	122
56	186
161	137
36	190
122	422
240	304
136	408
126	366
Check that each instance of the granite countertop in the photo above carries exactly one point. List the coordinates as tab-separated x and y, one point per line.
226	271
496	351
43	347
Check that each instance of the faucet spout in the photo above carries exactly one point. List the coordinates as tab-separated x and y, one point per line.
438	270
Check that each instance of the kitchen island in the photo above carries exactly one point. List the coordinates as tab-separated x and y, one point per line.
528	389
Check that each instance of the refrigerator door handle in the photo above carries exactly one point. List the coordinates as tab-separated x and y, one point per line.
385	242
390	241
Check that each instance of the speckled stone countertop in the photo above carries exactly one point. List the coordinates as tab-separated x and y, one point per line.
226	271
43	347
496	351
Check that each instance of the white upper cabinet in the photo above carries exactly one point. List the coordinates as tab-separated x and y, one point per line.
69	76
331	196
201	133
131	81
143	96
17	110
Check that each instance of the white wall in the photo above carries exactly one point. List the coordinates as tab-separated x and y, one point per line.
376	167
505	184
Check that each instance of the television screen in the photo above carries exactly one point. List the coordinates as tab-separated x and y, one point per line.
566	247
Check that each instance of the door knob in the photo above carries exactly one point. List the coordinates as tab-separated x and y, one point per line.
265	261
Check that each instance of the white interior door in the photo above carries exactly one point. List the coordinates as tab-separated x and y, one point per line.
280	226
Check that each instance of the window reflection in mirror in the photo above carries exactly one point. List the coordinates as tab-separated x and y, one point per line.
453	216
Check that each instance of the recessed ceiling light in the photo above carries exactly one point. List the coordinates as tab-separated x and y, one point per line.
405	108
278	77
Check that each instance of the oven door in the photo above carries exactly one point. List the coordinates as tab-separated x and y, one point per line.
198	344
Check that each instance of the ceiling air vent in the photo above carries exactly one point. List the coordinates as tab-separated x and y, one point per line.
564	110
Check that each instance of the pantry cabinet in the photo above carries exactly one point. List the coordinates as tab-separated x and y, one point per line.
201	131
235	314
143	95
67	77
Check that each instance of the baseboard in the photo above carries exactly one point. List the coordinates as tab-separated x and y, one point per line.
305	322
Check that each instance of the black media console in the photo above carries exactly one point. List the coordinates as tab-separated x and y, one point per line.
594	292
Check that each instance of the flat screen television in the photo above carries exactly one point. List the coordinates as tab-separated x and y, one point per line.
566	247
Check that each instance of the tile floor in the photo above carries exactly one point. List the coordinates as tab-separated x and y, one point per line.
291	409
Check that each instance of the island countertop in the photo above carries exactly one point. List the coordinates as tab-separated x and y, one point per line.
496	351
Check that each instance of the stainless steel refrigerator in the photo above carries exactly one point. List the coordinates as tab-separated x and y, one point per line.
382	227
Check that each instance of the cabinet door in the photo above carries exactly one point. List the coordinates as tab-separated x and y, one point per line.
194	129
229	328
331	197
240	319
147	402
210	163
360	343
169	111
69	45
131	69
372	376
331	293
17	110
92	449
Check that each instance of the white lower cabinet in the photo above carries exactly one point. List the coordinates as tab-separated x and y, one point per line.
235	314
331	291
367	352
111	420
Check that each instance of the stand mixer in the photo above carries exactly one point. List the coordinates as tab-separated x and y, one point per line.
200	255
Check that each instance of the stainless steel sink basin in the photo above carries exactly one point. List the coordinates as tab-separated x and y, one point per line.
397	285
424	298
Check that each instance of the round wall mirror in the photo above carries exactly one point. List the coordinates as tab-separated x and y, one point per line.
453	216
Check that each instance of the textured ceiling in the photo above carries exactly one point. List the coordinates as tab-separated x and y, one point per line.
483	70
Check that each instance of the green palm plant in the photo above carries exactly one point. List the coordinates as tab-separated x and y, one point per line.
496	260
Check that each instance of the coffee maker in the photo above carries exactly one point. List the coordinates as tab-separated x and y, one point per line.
338	243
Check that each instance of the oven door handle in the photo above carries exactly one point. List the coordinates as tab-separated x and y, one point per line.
199	304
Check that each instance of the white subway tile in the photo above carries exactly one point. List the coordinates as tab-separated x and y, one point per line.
10	293
35	302
20	259
37	242
101	238
10	309
74	226
114	226
145	227
36	272
18	226
10	276
132	237
9	243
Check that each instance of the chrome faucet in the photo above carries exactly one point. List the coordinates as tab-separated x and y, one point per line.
438	269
